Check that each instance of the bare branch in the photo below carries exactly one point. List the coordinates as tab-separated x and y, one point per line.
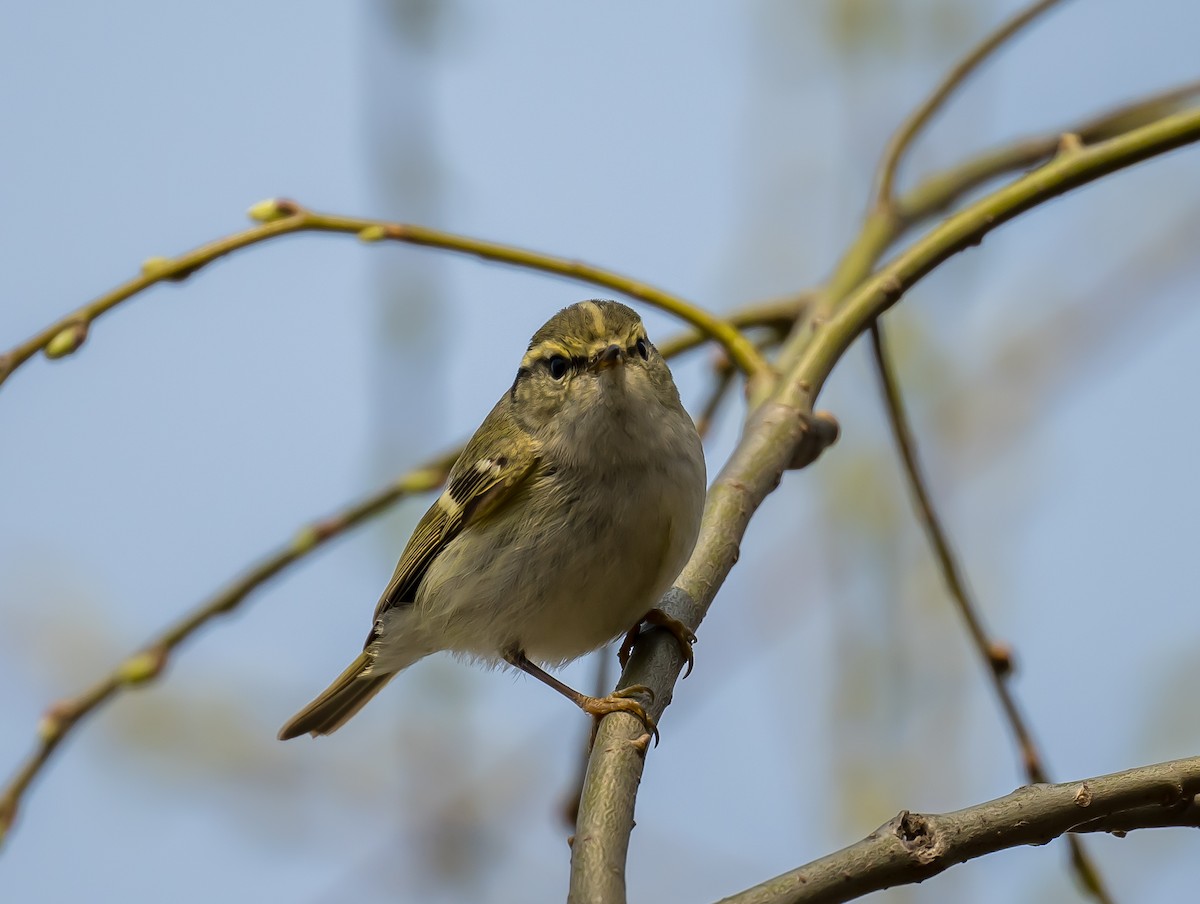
778	316
839	316
757	464
913	847
148	664
282	217
996	656
935	194
885	224
903	138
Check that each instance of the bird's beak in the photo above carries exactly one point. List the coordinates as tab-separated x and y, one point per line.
609	357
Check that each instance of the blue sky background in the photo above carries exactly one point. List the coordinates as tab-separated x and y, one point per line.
720	150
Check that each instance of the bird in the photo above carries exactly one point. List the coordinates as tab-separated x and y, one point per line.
568	514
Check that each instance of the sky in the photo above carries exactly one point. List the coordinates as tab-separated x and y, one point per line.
720	150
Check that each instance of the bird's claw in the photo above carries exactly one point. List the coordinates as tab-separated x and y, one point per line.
683	635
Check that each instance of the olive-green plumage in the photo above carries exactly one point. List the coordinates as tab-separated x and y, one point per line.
568	514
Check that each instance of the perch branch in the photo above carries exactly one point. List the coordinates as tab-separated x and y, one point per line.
913	847
757	464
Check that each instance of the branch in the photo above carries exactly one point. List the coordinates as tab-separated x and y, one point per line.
936	193
282	217
899	143
886	223
840	322
778	316
757	464
888	217
722	380
996	656
148	664
913	847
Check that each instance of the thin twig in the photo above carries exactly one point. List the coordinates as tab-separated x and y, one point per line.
283	217
148	664
887	220
996	656
722	380
763	454
913	847
778	316
936	193
816	346
887	216
891	217
724	372
919	118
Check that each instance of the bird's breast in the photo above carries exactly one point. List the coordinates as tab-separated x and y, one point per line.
573	563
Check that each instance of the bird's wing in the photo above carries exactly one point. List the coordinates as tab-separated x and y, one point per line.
491	470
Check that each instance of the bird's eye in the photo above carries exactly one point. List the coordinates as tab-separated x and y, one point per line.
643	348
557	366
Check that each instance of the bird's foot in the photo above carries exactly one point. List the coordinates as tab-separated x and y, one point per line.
620	701
658	619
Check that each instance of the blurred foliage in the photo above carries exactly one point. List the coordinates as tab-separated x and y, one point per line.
884	30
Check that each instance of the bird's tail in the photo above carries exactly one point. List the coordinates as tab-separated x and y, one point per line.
335	705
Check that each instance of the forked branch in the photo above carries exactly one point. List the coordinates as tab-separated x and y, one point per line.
763	453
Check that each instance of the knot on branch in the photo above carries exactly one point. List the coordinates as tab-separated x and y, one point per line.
821	431
1083	795
918	836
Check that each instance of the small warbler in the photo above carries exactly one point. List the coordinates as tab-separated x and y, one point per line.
569	513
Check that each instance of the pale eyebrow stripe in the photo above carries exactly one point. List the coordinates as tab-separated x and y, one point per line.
543	350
